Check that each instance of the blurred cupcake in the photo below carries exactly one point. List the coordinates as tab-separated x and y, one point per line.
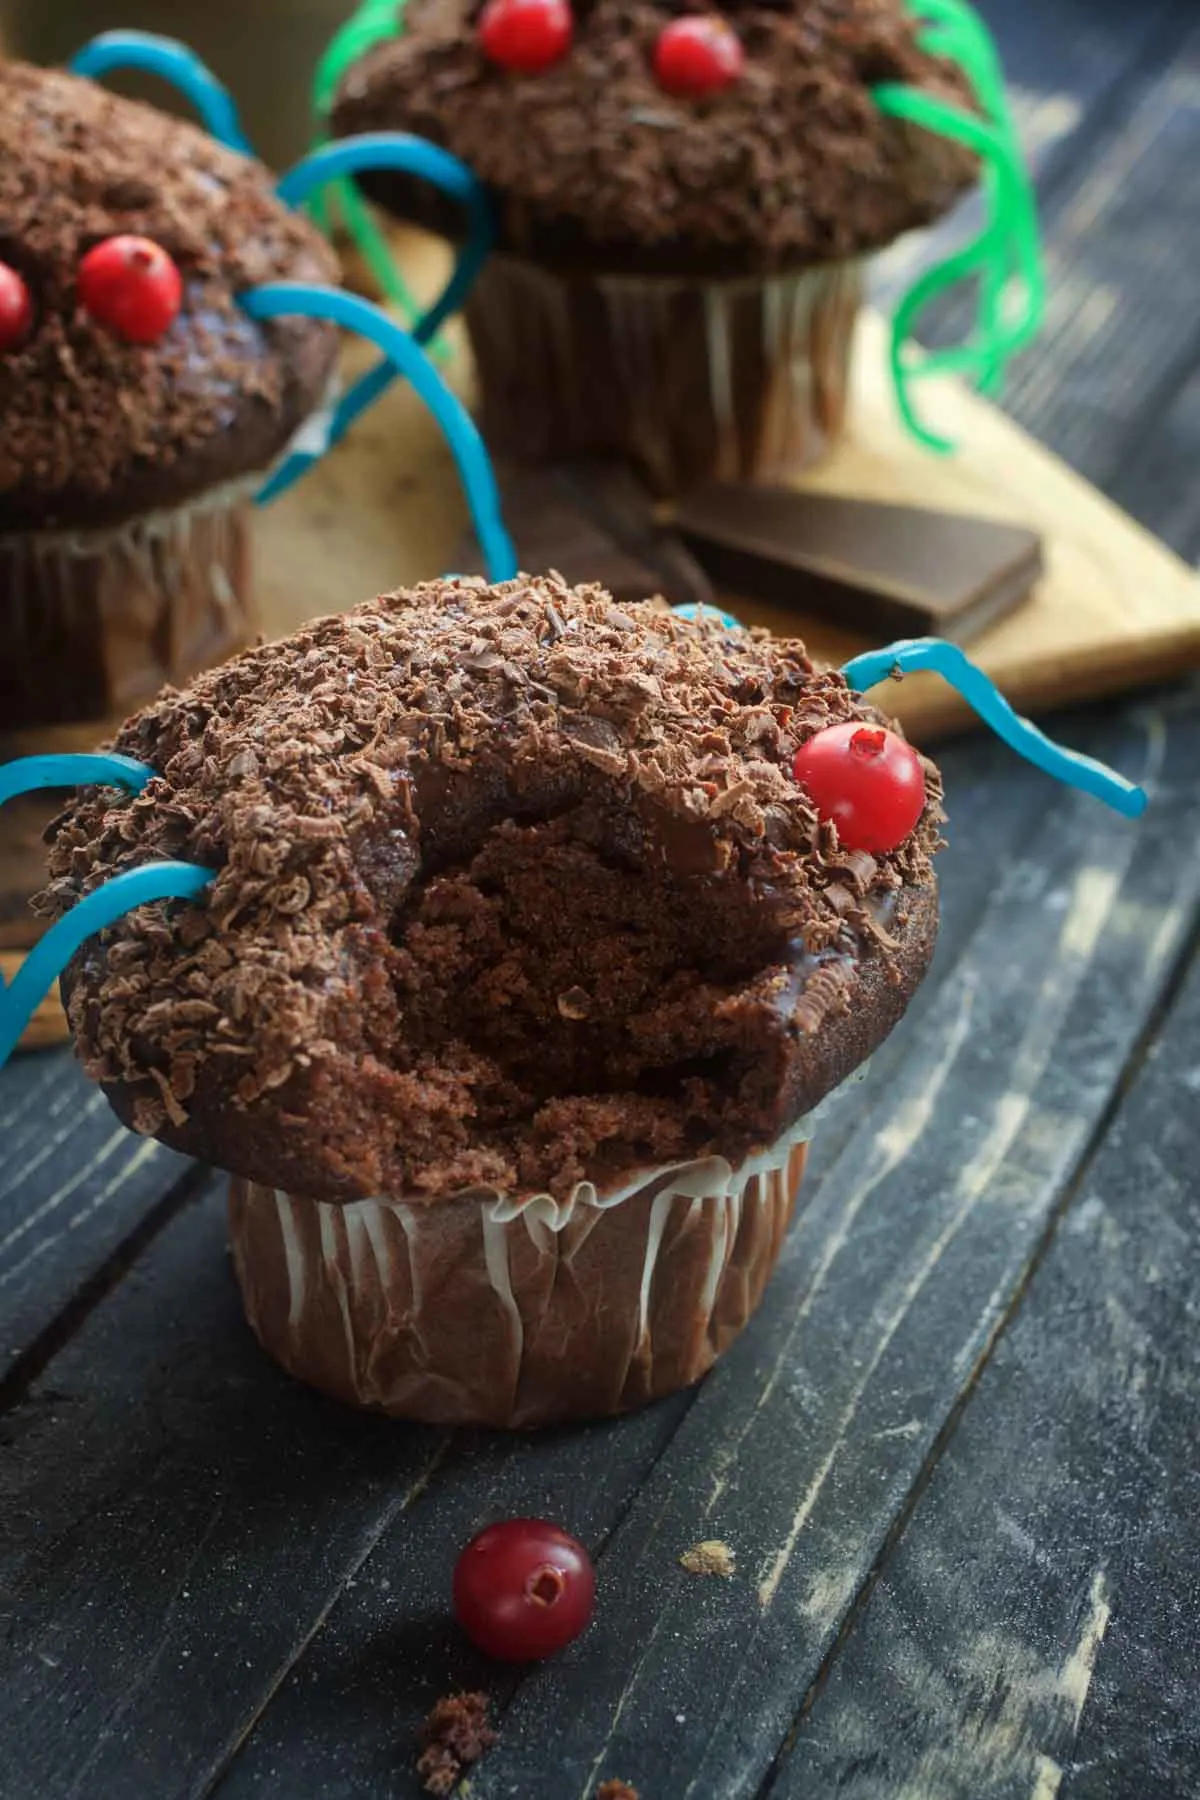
140	402
686	200
525	964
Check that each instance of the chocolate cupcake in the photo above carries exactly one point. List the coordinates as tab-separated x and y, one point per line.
524	967
685	201
140	401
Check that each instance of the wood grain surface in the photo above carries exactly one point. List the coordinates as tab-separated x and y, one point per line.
954	1455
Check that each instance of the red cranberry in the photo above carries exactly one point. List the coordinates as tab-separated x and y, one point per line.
697	55
523	1589
526	36
16	309
868	781
132	286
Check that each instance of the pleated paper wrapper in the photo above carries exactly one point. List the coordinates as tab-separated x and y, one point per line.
492	1310
96	622
688	381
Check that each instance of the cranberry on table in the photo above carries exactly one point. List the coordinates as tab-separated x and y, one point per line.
132	286
868	781
16	309
526	36
523	1589
697	55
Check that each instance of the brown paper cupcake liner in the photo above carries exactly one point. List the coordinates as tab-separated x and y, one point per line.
689	381
94	623
517	1312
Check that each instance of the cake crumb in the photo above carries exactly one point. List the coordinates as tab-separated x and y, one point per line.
455	1735
712	1557
616	1790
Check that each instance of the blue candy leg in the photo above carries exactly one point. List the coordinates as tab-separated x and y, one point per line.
174	62
948	661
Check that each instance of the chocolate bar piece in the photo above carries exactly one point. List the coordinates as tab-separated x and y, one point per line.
593	521
885	570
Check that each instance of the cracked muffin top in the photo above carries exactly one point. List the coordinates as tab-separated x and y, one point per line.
513	888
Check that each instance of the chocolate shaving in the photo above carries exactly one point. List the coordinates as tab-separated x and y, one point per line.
824	993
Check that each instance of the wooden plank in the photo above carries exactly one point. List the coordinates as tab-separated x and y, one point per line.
1156	477
1123	245
1069	64
801	1446
175	1514
78	1195
1035	1630
177	1519
346	1722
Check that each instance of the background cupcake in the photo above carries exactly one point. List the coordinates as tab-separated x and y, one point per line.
140	402
685	202
524	966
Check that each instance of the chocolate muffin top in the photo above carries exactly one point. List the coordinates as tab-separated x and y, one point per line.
595	167
96	429
514	887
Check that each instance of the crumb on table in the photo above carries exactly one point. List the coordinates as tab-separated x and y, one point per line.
455	1735
616	1790
712	1557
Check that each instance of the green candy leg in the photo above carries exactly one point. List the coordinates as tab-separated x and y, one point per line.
1005	259
961	38
374	23
964	39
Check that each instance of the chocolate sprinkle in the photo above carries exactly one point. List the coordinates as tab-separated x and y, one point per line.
97	430
492	906
595	167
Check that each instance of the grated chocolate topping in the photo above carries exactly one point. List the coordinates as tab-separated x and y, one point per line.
97	430
594	166
513	888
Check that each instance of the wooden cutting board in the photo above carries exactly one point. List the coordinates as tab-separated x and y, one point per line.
1115	609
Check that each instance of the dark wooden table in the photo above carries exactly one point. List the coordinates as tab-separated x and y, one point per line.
958	1453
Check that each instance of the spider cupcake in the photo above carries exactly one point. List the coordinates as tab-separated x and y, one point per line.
167	331
522	936
687	199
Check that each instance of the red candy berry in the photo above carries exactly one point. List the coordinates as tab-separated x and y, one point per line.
868	781
526	36
132	286
523	1589
16	309
696	55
